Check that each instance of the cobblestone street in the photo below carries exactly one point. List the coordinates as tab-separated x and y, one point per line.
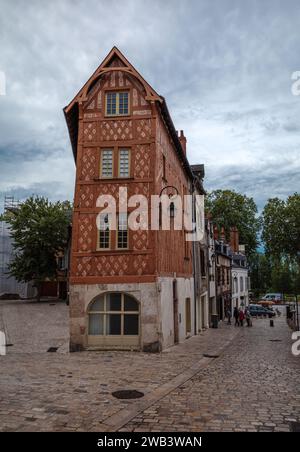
252	385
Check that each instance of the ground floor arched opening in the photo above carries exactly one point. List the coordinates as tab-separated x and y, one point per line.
114	321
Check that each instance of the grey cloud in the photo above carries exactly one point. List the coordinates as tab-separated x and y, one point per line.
224	67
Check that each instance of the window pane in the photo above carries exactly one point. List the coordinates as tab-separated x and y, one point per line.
107	163
111	103
122	230
96	324
123	103
113	302
124	163
98	305
104	233
131	324
113	324
130	304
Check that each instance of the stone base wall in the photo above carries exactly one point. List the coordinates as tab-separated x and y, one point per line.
156	311
82	295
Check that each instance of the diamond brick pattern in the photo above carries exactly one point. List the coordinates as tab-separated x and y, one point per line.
142	162
90	131
116	130
144	129
86	197
85	228
140	240
88	165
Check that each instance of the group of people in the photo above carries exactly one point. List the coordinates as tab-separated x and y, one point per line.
240	316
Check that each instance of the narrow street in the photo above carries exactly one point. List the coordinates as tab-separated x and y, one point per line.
253	384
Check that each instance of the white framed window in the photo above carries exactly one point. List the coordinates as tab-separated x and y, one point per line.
104	233
124	164
106	167
122	232
117	103
114	314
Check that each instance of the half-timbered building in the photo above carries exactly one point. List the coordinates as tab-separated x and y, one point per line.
129	289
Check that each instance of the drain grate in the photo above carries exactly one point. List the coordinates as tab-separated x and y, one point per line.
295	427
210	355
52	349
275	340
128	394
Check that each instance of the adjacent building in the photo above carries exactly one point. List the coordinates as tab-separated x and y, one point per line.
239	273
223	264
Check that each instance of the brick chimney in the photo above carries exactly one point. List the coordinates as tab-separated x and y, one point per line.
182	140
234	239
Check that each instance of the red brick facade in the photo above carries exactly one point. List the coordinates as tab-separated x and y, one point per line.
145	133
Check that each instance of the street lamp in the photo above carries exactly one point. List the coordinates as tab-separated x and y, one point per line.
173	192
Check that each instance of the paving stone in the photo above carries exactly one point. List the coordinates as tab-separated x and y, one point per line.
252	386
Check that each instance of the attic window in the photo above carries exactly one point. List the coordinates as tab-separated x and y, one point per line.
117	103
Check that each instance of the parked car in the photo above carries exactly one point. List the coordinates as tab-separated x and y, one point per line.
260	310
276	297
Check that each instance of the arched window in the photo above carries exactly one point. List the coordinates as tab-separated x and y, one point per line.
114	314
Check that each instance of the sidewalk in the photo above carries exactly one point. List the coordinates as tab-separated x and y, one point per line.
73	392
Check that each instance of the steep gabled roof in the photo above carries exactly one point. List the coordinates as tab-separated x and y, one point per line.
106	66
116	61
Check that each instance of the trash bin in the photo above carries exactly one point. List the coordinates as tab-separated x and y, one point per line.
214	320
271	322
287	312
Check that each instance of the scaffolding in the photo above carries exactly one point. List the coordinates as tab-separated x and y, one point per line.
9	285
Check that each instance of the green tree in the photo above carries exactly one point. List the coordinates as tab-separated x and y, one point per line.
292	242
260	274
281	228
281	277
274	233
229	208
281	237
39	230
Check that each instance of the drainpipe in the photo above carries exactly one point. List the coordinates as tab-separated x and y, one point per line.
193	257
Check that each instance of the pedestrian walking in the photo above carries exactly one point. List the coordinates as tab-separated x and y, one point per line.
248	318
236	316
241	317
228	314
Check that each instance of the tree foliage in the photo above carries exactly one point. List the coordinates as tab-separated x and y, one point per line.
39	230
281	237
229	208
281	228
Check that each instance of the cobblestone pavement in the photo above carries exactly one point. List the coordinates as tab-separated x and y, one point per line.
252	385
34	327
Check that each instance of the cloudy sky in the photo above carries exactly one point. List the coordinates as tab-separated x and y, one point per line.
224	66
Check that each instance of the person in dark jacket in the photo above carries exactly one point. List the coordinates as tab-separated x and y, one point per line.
236	316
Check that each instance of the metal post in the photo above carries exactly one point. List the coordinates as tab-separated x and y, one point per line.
297	314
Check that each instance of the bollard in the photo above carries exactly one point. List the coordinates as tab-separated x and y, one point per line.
271	322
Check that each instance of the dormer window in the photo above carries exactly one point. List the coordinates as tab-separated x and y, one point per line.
117	103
